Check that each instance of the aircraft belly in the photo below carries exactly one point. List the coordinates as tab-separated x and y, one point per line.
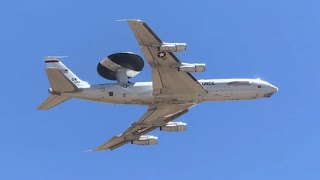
229	94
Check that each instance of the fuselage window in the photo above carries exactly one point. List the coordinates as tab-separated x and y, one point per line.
259	86
110	93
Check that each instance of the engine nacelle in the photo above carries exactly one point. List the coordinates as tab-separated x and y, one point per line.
192	67
173	47
145	140
174	127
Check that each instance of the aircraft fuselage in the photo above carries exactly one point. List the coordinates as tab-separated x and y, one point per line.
141	92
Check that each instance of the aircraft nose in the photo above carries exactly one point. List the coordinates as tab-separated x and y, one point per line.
272	90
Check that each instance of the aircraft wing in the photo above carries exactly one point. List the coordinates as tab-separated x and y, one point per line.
167	79
155	117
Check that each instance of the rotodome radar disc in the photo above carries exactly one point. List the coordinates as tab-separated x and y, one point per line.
131	62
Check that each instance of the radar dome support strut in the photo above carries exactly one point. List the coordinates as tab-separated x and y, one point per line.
122	77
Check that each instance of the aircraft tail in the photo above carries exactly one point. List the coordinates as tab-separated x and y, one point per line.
62	80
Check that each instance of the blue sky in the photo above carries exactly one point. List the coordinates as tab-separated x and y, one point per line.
275	138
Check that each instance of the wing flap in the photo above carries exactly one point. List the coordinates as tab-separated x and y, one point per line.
171	81
113	143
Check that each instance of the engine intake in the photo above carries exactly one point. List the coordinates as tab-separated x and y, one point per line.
174	127
173	47
192	67
145	140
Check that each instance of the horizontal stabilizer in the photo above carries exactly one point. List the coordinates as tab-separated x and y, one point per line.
52	101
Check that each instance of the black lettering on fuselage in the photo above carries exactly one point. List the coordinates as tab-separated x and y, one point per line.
207	83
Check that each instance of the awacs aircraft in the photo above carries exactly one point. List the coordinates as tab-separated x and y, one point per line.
172	92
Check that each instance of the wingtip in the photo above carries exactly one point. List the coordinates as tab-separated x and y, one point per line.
96	150
129	20
120	20
90	150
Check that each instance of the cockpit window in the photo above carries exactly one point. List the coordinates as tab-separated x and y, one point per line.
238	83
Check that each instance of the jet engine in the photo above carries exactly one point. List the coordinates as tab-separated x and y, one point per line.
192	67
173	47
145	140
131	63
174	127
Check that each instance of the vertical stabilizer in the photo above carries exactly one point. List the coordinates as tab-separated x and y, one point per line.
61	78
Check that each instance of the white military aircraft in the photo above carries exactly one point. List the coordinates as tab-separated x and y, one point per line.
172	92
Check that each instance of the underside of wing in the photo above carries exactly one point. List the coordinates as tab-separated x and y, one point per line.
169	81
144	35
166	76
155	117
